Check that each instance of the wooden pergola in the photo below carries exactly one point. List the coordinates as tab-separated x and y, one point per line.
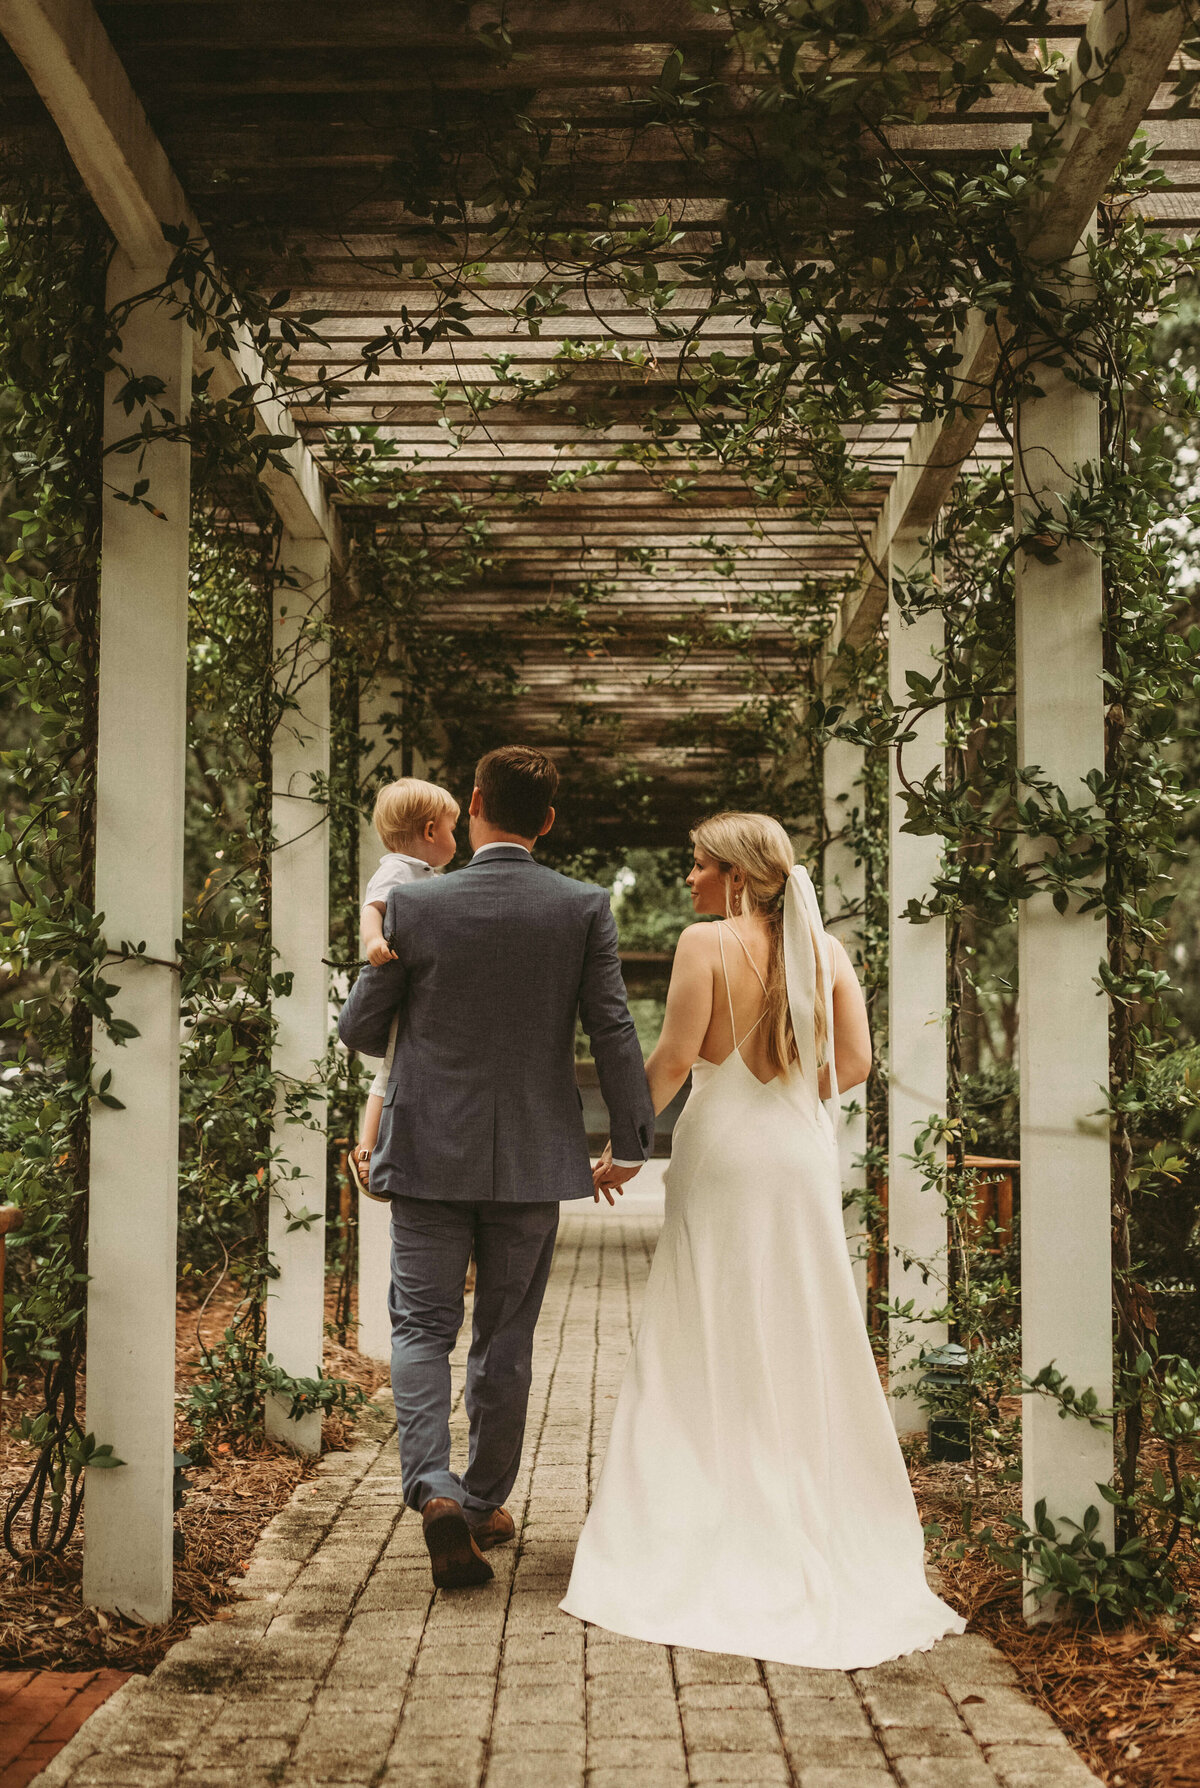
275	131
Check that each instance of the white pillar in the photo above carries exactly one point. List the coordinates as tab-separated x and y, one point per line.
844	881
139	891
916	1020
374	1219
1066	1269
300	937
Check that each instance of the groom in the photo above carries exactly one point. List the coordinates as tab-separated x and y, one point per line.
482	1133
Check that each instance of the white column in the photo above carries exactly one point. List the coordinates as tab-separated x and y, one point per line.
300	936
1066	1269
845	885
374	1219
139	891
916	1020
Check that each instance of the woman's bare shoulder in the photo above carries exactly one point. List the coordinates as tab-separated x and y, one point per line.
841	957
695	940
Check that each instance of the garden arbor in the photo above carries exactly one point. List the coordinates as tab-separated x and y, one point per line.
169	114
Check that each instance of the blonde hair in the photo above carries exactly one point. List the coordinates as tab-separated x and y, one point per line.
404	808
758	847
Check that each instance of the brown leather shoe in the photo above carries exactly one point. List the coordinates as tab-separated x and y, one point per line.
496	1530
456	1560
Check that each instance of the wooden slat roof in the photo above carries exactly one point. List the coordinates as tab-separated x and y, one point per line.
295	127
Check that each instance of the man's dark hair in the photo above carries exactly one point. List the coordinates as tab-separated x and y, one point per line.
516	786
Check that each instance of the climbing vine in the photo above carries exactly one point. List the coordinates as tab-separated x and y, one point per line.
56	345
848	267
53	333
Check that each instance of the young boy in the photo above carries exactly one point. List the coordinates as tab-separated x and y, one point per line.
415	821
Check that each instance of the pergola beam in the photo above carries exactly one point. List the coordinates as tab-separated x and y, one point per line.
68	56
1129	39
1126	39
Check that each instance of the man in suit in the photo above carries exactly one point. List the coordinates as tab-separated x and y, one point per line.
482	1133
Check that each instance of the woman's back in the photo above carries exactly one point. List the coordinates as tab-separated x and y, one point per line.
740	951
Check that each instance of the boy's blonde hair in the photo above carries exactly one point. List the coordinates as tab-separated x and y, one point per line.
403	808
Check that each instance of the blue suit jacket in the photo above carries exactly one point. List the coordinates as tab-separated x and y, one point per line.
493	965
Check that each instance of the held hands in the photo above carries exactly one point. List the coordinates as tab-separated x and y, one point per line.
378	952
609	1179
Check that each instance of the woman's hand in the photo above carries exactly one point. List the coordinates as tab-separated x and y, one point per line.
600	1170
608	1178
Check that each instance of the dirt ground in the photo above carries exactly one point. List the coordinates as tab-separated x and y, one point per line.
1128	1698
228	1502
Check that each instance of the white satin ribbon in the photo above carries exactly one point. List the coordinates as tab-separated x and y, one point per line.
803	936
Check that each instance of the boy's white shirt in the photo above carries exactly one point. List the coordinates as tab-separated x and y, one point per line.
395	868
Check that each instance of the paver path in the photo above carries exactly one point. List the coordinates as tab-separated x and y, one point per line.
346	1669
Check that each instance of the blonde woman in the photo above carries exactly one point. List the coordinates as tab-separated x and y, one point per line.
754	1499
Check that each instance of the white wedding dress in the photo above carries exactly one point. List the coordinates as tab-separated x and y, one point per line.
753	1499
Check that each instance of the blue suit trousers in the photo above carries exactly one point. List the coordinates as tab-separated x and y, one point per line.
432	1243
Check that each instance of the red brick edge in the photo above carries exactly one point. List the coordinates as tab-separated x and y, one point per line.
40	1710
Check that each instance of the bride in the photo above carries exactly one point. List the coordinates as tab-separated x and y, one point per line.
753	1499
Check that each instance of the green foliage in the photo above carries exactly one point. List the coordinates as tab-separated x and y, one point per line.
990	1114
847	268
53	343
651	903
1068	1562
228	1403
1151	1567
55	346
1161	1105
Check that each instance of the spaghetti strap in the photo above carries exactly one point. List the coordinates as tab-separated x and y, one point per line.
746	949
738	1041
728	994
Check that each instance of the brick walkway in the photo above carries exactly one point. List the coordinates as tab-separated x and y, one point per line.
40	1710
345	1669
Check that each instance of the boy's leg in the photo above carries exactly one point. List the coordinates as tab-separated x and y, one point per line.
514	1245
368	1134
431	1245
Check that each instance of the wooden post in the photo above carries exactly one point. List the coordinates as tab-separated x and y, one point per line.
916	1021
300	936
129	1514
845	886
374	1219
1066	1265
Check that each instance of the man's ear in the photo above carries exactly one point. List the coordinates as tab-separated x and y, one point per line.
475	808
547	823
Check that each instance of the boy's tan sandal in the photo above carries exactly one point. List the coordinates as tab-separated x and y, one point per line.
360	1173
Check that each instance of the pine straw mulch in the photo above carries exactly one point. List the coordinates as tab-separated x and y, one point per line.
1127	1698
229	1501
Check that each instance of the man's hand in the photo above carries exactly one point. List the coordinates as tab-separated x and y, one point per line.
609	1179
378	952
